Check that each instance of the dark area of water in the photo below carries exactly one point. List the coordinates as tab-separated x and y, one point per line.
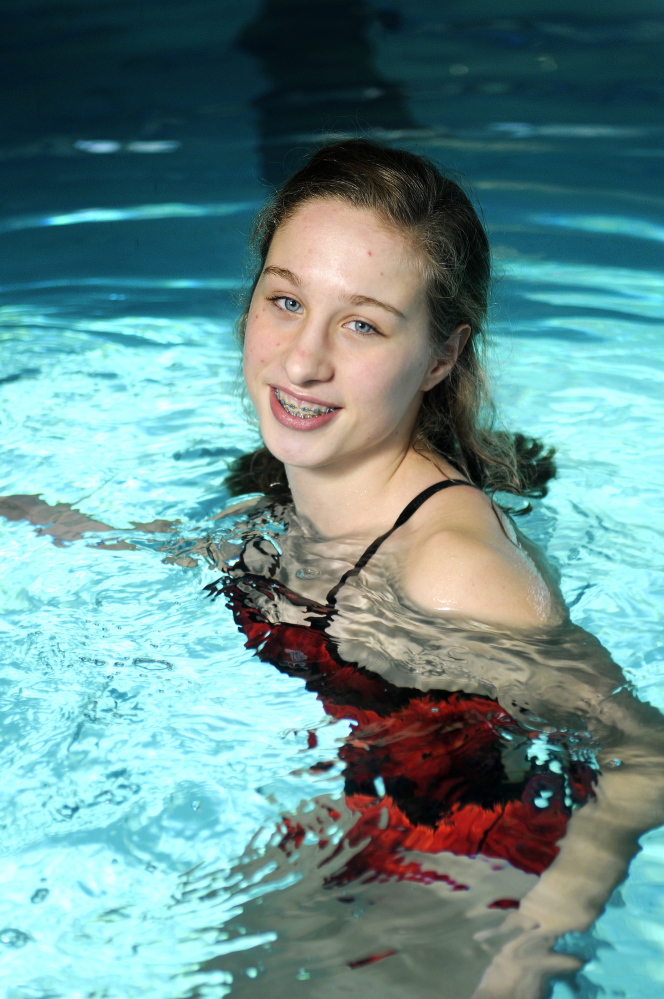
114	104
202	72
181	69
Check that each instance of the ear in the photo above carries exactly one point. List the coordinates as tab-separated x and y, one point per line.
441	366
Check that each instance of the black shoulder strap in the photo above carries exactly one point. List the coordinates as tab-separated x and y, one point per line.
405	515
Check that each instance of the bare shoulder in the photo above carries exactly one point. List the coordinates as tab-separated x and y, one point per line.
465	559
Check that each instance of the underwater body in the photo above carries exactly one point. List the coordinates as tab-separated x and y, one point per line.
167	789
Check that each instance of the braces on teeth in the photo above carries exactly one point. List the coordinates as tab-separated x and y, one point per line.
304	412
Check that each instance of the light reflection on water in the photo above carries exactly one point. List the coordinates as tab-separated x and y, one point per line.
133	213
620	226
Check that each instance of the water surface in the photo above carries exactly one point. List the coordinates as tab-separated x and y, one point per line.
148	757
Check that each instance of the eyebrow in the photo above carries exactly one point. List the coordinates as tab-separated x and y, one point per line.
366	300
284	273
287	275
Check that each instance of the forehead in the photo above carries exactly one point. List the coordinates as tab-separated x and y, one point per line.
333	230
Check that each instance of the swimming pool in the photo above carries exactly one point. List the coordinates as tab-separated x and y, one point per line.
148	758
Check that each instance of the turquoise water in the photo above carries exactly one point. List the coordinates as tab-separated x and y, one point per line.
147	756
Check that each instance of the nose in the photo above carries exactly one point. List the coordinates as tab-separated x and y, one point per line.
309	356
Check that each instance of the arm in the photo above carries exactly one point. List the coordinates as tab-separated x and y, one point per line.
467	568
246	506
62	521
600	841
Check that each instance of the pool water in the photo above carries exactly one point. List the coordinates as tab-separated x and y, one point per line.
148	758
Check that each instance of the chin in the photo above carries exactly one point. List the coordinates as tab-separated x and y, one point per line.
301	450
294	454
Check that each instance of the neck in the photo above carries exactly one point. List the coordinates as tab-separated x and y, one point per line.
363	498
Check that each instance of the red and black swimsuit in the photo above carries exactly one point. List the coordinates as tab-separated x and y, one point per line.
438	754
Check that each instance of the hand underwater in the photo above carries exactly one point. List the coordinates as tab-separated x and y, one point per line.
524	965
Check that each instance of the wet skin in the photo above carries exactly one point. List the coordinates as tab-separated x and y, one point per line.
339	320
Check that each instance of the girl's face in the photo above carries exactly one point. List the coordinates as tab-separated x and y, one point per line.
337	352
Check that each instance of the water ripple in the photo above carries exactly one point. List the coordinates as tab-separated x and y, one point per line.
132	213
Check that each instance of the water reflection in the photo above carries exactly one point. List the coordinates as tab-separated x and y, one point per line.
317	55
468	752
131	213
610	224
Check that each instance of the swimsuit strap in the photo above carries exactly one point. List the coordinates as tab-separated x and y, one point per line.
405	515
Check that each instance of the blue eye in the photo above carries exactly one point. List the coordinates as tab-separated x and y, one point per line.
362	327
285	303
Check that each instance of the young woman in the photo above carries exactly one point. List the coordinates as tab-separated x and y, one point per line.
376	564
362	345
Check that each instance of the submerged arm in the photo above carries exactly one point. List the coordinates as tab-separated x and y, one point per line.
62	521
600	841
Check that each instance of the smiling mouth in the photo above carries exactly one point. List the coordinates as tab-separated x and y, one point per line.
299	409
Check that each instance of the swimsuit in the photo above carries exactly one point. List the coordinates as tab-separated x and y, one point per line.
423	771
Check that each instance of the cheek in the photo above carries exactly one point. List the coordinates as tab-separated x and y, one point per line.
386	390
260	347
